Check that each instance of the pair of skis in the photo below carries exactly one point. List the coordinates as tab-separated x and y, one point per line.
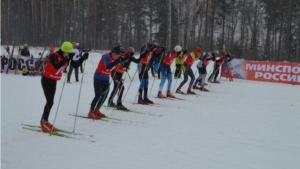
58	132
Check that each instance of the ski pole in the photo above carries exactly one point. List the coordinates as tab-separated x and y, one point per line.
129	76
130	84
107	90
114	94
10	59
120	90
79	95
62	90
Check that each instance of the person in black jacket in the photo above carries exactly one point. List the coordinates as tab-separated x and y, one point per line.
25	51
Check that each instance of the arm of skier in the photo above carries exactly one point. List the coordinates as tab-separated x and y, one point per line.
107	63
57	65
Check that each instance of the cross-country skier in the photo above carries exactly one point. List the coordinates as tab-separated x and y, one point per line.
117	74
187	70
53	71
166	73
148	56
75	63
201	65
101	80
219	61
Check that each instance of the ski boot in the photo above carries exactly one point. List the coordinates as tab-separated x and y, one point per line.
169	94
160	95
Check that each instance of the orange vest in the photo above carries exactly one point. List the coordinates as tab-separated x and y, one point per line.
102	68
147	58
50	72
169	58
191	58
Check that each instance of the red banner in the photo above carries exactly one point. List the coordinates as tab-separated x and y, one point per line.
279	72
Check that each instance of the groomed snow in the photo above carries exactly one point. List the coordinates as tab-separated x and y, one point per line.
238	125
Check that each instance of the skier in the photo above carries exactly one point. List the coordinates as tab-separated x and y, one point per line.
218	63
178	63
117	74
53	71
166	70
187	70
203	62
101	80
75	63
147	58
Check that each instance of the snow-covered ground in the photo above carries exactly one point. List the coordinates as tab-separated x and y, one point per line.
238	125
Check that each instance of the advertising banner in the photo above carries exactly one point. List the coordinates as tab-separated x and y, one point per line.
11	63
279	72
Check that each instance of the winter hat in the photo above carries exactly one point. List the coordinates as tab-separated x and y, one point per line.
116	50
178	48
67	47
198	50
77	44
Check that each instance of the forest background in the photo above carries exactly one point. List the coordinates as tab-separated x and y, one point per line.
250	29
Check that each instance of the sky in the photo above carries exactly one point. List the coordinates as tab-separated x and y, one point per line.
237	125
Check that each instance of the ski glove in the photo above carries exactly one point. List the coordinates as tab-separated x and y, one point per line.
71	55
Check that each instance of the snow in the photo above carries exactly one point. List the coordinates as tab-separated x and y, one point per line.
238	125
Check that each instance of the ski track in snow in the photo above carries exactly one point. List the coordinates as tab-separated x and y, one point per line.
240	125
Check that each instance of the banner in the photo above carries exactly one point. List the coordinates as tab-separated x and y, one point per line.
279	72
23	61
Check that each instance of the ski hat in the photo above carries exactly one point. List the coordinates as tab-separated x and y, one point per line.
198	50
67	47
116	50
25	45
77	44
178	48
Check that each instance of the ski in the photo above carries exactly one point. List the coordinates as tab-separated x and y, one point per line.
55	133
86	117
154	104
192	94
133	111
56	130
10	59
170	98
127	110
107	117
178	98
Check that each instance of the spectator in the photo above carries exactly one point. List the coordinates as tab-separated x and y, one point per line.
25	71
25	51
74	63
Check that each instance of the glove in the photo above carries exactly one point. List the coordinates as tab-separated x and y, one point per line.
185	51
86	56
228	55
71	55
122	58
